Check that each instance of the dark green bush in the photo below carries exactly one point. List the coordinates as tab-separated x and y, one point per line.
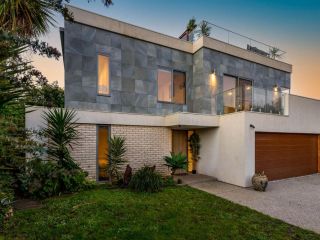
45	179
146	180
6	195
168	182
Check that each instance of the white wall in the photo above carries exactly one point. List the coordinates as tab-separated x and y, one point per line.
223	150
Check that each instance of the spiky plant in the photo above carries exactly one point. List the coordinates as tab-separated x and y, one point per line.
275	53
116	157
175	161
61	133
191	24
204	29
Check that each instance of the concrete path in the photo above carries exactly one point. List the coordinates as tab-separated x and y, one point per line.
294	200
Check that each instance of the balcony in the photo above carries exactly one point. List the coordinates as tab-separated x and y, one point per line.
216	32
253	99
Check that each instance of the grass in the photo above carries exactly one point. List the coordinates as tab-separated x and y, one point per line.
174	213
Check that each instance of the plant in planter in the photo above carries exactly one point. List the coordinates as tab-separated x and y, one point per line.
194	142
260	182
175	161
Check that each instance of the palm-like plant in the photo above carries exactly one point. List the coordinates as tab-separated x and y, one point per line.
204	29
175	161
191	25
275	53
27	18
61	133
116	157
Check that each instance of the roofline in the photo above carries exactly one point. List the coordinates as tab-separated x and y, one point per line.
106	23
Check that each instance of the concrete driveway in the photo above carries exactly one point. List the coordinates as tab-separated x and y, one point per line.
294	200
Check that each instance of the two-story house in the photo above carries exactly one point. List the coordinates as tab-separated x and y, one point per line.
155	90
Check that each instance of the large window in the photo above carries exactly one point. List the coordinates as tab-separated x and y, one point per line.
103	75
102	150
171	86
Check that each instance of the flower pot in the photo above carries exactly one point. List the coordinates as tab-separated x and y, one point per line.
259	182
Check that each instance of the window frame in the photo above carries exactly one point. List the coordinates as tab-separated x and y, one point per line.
171	70
109	75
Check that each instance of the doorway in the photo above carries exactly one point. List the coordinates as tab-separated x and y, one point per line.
180	144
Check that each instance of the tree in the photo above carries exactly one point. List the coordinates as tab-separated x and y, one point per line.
116	157
204	29
191	24
275	53
61	133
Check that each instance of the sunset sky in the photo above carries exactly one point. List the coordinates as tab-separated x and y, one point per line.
291	25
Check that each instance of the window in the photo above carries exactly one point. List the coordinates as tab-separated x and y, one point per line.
103	75
171	86
102	150
179	87
229	92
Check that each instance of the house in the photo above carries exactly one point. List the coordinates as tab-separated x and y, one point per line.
156	90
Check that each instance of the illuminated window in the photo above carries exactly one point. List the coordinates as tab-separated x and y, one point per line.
102	152
164	85
103	75
171	86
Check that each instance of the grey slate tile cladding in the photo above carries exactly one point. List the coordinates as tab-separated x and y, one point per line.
133	73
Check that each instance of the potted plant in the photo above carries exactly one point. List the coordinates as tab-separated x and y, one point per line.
260	182
175	161
194	142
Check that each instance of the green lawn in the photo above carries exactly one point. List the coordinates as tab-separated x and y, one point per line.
175	213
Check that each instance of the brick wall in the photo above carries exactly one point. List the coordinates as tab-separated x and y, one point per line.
145	145
84	152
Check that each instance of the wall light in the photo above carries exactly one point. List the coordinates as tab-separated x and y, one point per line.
275	88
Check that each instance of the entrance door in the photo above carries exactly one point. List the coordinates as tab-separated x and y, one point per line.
180	141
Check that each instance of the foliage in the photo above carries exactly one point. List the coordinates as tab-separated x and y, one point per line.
6	195
175	161
194	142
146	180
116	157
204	29
275	53
61	132
46	94
174	213
191	24
46	178
168	182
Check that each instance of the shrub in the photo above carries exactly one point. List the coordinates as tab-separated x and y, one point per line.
6	196
168	182
45	179
116	158
146	180
176	161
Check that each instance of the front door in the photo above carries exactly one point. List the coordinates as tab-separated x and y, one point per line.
180	144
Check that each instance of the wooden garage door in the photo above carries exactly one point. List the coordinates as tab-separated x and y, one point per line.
282	155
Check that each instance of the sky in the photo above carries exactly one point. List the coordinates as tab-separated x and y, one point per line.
291	25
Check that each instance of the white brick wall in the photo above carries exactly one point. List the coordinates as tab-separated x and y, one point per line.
145	145
84	152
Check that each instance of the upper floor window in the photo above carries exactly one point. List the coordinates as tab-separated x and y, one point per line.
171	86
103	75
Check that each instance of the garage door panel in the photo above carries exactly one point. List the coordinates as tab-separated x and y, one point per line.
283	155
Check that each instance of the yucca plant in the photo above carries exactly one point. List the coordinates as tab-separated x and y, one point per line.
116	157
204	29
61	133
175	161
